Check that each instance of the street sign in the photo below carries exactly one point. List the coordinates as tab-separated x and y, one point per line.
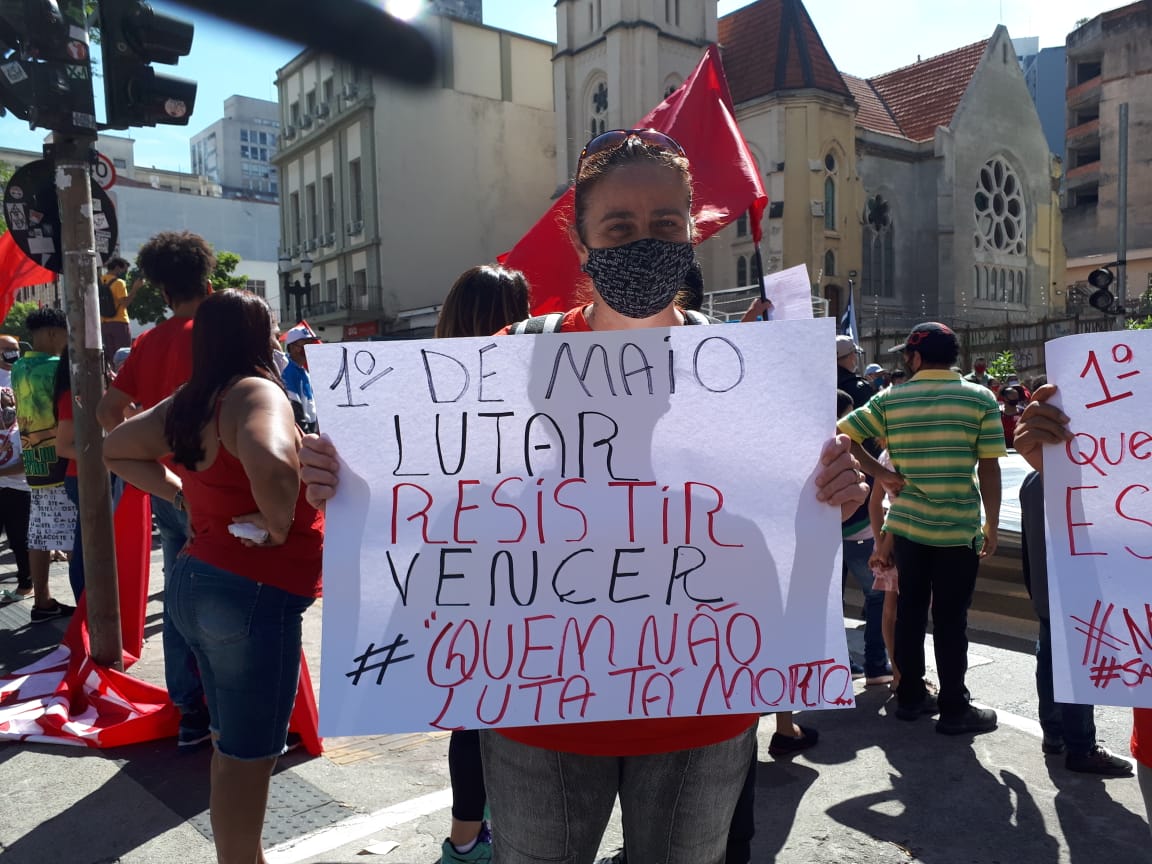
104	172
33	214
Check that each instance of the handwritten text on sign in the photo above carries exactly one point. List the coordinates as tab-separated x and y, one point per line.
1098	504
578	527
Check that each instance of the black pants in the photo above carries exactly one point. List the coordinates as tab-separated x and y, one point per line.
15	505
944	578
467	773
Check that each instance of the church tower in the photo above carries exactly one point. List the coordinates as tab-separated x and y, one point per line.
616	60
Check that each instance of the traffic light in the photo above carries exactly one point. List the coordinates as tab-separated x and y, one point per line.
132	37
45	68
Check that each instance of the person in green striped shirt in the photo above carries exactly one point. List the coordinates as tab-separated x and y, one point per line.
945	439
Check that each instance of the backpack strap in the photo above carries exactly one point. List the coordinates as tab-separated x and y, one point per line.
537	324
692	316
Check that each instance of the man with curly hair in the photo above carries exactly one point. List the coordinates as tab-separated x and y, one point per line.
179	263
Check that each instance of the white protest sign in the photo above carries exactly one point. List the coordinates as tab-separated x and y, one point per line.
1098	505
790	292
579	527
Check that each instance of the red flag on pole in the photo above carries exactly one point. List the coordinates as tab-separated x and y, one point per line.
17	271
727	184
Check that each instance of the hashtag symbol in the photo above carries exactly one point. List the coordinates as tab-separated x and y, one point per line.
1104	672
382	665
1098	637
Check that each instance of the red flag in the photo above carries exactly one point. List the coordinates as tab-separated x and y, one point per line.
17	271
727	184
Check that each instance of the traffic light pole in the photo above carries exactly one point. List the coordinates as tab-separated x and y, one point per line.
73	157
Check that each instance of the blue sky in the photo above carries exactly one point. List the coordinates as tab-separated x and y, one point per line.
864	39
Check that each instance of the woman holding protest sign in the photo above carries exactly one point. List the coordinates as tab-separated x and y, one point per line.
552	787
252	566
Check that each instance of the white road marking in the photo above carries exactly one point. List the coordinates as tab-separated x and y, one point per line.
356	827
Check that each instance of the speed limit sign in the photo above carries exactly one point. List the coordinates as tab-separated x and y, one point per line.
104	172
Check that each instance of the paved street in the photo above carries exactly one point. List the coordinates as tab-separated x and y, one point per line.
874	790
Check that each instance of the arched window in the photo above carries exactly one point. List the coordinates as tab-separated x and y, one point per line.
878	261
999	209
976	281
742	225
829	263
598	122
829	204
741	272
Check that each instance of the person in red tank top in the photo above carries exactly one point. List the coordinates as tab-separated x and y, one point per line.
226	444
552	788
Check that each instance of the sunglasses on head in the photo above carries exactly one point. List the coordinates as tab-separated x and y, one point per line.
615	137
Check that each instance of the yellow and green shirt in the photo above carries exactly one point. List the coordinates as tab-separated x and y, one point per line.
937	426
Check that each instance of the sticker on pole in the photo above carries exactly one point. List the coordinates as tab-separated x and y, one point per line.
104	172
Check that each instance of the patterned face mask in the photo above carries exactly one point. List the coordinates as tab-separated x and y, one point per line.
10	356
640	279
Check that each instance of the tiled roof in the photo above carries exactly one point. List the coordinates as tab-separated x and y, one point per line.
873	114
925	95
772	45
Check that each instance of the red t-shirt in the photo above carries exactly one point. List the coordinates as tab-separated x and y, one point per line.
642	736
64	412
1142	736
161	360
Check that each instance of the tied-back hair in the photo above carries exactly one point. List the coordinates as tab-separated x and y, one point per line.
231	339
630	151
483	300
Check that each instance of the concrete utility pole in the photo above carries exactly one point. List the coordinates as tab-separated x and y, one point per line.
73	157
1122	216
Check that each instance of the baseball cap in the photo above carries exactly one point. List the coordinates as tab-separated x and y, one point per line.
873	368
300	333
845	346
934	341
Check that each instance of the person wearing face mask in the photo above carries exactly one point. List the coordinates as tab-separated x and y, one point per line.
552	787
979	374
15	496
940	430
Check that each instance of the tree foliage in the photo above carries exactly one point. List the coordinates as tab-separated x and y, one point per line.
1003	366
149	306
15	323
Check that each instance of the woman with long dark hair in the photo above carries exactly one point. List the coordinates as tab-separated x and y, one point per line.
239	589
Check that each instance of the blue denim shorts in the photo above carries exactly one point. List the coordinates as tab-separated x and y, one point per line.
246	639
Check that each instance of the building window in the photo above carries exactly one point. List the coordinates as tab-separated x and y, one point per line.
329	204
355	200
313	215
310	103
829	263
878	260
119	163
741	272
742	227
294	210
330	291
294	113
244	135
829	204
360	282
999	209
329	89
257	287
599	122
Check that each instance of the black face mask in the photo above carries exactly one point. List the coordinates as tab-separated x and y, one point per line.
640	279
10	356
7	417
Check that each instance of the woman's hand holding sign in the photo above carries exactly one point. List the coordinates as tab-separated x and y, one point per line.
319	469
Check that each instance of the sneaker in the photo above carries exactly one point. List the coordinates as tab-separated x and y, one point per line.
1052	747
292	742
194	729
787	745
616	857
883	678
1098	760
928	705
481	852
971	720
857	669
56	610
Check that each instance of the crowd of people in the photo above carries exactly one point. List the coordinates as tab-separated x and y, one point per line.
218	425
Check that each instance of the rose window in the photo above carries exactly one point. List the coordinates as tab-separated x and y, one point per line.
999	209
